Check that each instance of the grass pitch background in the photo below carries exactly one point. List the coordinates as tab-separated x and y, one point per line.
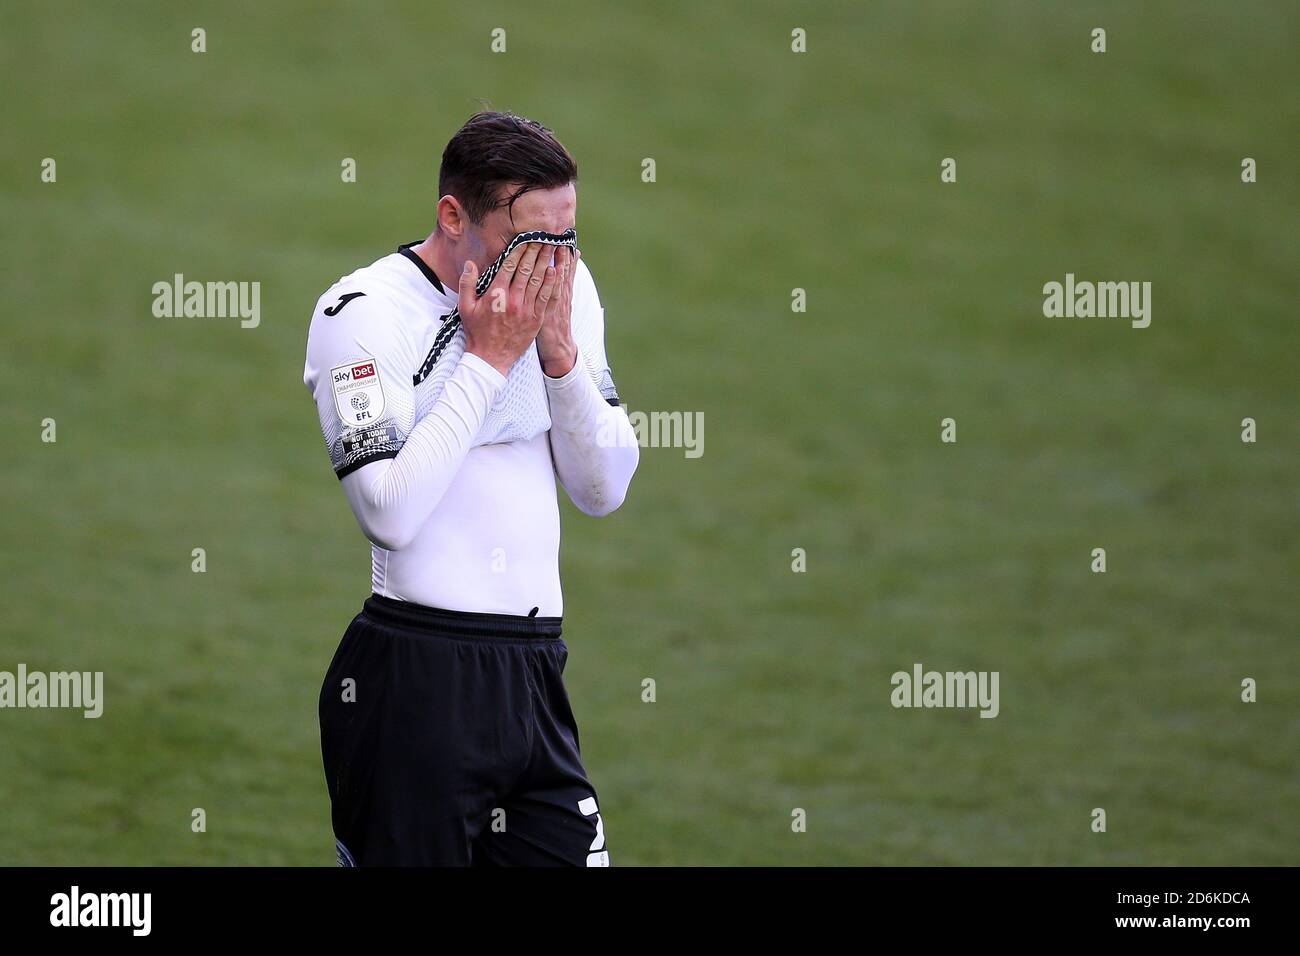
775	171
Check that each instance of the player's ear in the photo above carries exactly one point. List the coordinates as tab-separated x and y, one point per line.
451	217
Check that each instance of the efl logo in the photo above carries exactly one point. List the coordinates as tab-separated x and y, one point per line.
358	393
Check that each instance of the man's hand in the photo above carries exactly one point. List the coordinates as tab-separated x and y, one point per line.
555	345
504	321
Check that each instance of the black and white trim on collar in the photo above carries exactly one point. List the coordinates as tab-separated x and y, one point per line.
408	250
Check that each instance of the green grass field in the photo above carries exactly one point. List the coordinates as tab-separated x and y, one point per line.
775	170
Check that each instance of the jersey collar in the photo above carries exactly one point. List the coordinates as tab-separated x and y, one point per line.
407	250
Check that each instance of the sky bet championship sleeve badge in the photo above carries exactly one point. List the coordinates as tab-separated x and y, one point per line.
358	395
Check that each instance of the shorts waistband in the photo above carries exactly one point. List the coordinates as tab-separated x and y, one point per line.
459	623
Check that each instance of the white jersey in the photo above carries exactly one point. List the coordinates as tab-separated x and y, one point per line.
490	543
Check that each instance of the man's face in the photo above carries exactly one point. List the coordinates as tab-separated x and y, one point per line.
550	210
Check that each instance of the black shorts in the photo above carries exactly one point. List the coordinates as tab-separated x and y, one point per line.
448	740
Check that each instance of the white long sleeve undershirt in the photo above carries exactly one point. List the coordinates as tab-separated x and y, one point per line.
477	528
457	516
393	498
593	444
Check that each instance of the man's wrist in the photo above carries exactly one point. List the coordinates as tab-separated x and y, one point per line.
561	364
486	369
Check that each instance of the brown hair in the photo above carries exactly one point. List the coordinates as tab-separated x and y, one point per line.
493	149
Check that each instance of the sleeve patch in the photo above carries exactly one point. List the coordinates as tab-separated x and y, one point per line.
358	393
358	448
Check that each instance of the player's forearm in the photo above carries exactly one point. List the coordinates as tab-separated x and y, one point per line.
393	498
593	444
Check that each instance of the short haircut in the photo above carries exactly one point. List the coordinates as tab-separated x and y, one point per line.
493	149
